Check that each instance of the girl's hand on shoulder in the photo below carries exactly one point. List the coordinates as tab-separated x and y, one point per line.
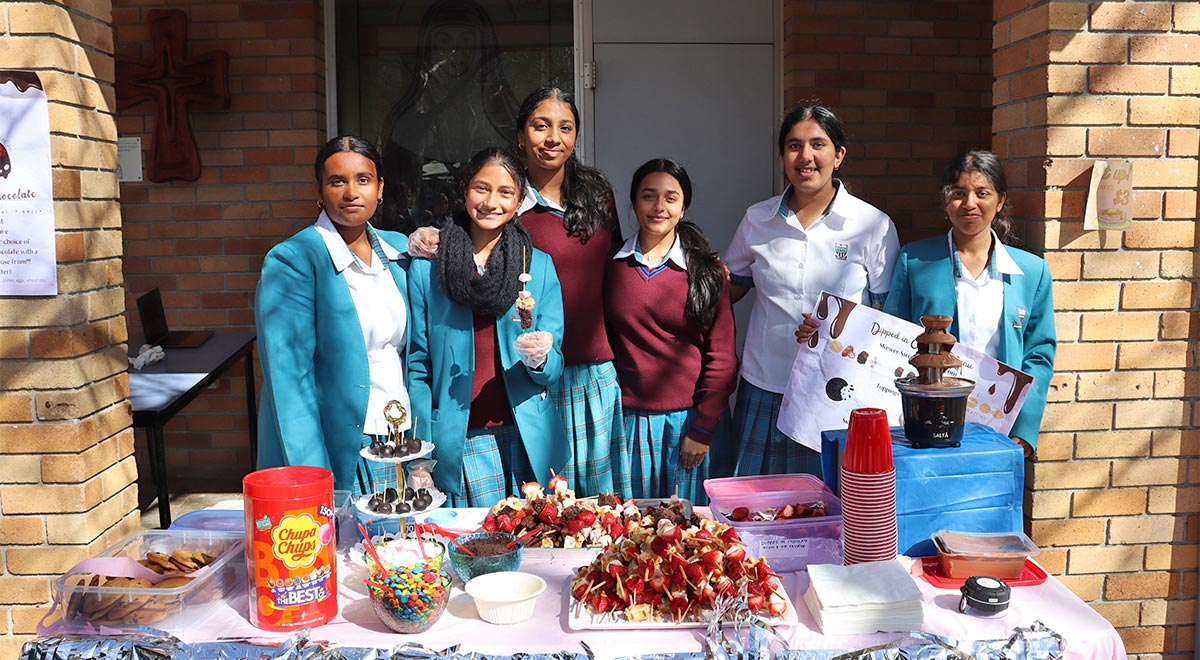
692	453
806	329
423	242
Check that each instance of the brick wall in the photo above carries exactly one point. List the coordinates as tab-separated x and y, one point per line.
67	488
912	82
203	242
1113	499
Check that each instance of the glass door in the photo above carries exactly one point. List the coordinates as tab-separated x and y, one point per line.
434	81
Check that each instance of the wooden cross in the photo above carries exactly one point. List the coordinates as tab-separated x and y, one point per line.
175	84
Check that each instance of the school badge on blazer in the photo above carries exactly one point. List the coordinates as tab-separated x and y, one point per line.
841	251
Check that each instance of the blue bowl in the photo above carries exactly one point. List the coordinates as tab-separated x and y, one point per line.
467	567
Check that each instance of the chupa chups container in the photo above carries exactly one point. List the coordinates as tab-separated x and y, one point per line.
1001	555
290	547
788	545
86	600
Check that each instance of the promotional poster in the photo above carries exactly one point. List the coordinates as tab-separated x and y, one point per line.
27	252
853	360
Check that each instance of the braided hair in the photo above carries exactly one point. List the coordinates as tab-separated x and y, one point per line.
492	292
706	275
586	193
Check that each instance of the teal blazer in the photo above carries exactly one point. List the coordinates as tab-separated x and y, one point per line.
923	283
314	360
441	368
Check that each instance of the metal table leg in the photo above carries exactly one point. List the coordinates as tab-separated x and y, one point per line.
158	467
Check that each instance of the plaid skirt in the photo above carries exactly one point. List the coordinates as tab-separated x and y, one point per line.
654	441
762	448
588	399
495	465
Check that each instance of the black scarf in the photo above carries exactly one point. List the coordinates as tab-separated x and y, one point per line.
495	291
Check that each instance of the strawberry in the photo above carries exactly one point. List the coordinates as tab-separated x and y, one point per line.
762	571
756	603
670	532
730	535
635	584
788	512
616	568
507	524
588	517
740	514
489	524
712	559
575	526
660	546
695	571
736	554
777	606
580	591
557	483
601	603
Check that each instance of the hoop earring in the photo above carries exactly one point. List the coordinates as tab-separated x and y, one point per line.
320	203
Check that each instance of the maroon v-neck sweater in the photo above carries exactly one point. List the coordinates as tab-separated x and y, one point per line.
663	362
580	267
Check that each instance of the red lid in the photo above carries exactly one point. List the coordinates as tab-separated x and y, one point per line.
288	482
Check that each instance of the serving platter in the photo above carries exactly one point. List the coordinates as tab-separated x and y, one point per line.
426	447
361	503
579	618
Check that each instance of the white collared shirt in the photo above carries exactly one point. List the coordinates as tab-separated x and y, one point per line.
383	317
849	252
533	198
634	247
981	299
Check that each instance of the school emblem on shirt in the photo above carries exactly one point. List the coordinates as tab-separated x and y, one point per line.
841	250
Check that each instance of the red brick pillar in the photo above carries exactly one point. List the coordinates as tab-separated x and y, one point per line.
1111	499
68	482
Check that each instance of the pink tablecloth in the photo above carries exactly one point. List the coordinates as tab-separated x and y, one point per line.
1088	635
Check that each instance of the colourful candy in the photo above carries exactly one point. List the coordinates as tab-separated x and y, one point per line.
410	591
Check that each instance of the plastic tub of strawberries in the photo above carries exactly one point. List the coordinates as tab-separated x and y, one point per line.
792	520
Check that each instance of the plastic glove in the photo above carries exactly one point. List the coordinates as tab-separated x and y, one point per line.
423	242
147	355
533	347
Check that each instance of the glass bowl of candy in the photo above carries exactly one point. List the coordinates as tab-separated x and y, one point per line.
491	554
396	551
410	599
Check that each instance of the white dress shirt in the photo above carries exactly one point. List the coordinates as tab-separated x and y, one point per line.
634	247
383	316
981	299
849	252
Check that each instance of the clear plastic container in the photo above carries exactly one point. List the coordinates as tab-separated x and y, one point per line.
787	545
1000	555
170	608
213	520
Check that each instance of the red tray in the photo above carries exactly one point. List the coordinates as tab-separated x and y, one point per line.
1031	574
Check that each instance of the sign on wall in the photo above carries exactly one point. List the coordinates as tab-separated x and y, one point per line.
27	252
858	354
1110	196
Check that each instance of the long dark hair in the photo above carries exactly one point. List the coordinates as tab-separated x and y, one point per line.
348	143
493	292
706	276
824	117
586	193
987	164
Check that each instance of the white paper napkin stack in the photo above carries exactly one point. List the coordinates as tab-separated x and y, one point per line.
864	598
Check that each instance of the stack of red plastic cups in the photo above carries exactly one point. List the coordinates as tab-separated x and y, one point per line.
868	485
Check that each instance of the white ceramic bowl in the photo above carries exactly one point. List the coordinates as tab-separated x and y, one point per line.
505	597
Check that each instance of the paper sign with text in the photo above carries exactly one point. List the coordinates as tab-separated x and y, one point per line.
27	250
853	360
1110	196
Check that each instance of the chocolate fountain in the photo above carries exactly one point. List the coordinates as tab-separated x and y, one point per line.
934	406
